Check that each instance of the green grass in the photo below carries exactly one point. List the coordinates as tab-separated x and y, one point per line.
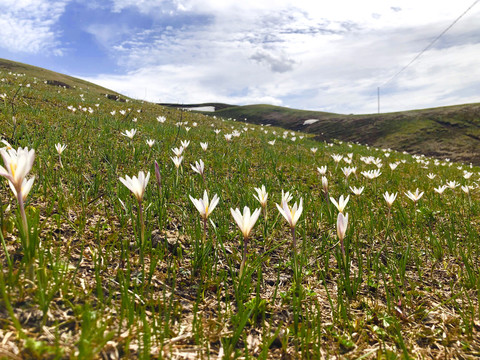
407	284
54	79
446	132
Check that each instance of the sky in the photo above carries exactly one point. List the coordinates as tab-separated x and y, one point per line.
306	54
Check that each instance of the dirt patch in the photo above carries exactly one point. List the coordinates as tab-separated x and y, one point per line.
58	83
115	97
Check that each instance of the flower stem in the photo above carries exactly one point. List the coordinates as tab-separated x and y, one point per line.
21	207
294	241
204	229
388	223
142	230
29	252
244	255
342	248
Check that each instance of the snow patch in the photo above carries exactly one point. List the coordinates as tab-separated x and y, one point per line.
201	108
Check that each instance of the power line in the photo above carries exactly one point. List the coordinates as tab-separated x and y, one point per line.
431	43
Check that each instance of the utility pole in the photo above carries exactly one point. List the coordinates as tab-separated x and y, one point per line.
378	99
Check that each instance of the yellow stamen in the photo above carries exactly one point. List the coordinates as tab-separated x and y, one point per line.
13	168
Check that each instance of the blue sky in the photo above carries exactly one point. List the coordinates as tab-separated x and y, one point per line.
318	55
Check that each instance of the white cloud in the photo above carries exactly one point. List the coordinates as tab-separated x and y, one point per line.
277	62
147	6
28	26
180	84
107	34
312	55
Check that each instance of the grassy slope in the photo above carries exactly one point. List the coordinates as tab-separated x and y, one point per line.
53	77
447	132
420	288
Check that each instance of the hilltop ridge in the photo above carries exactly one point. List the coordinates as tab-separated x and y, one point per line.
445	132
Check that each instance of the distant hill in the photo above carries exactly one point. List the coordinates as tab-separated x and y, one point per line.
445	132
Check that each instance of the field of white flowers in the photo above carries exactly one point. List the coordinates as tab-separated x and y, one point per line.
129	230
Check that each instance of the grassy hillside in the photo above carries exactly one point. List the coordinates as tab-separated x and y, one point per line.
98	263
52	78
448	132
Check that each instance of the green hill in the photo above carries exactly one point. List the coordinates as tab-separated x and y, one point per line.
53	78
446	132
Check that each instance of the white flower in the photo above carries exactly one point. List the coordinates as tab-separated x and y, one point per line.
325	184
337	158
341	202
136	185
262	195
204	206
60	148
204	146
185	143
342	223
322	170
130	133
25	189
371	174
7	145
198	167
358	191
178	151
393	166
414	196
452	184
18	164
431	176
177	160
286	197
272	142
440	189
347	171
245	221
390	198
161	119
291	214
150	142
313	149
